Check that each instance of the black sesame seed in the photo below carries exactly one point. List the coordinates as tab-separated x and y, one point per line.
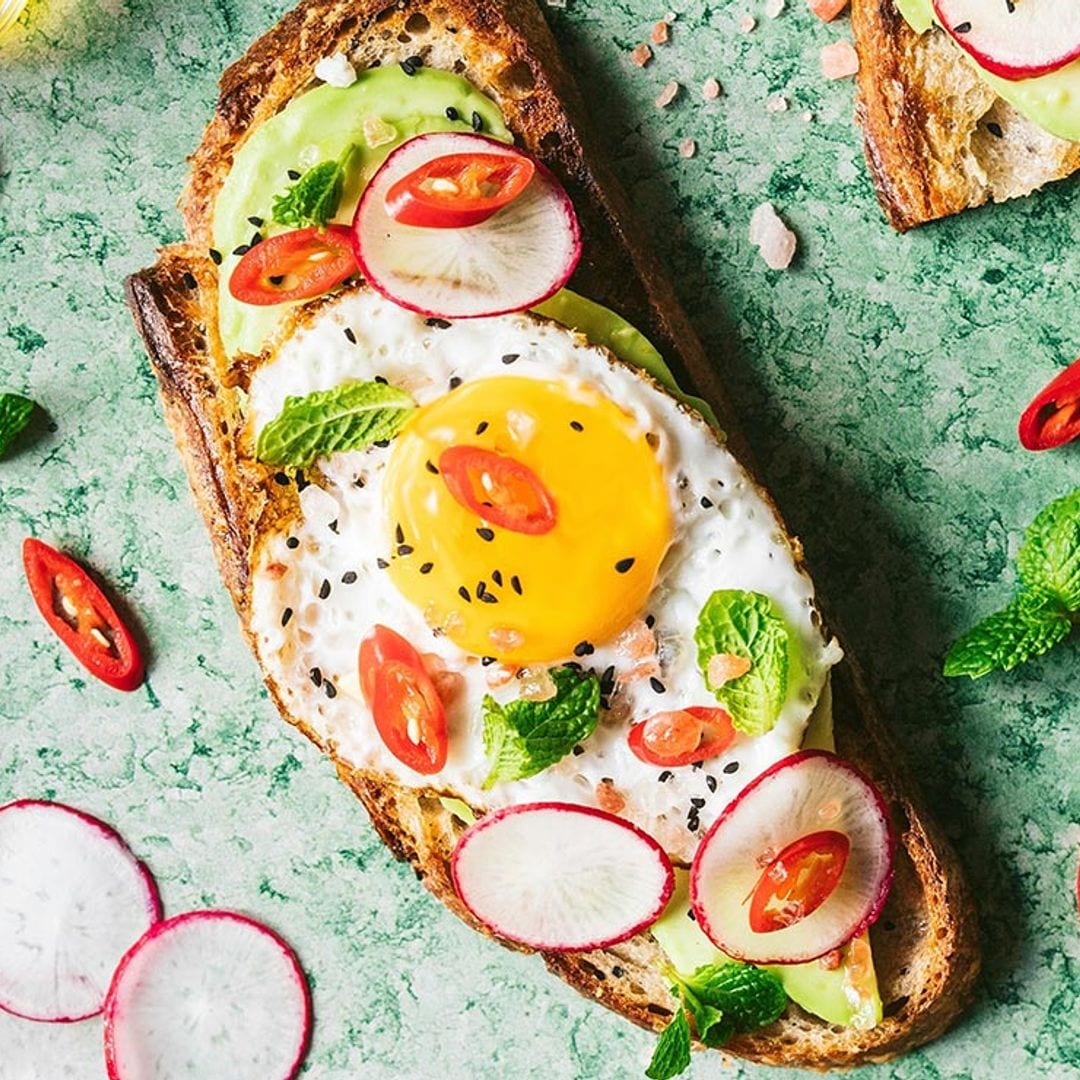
962	28
292	174
282	478
349	577
257	222
485	533
382	380
578	751
451	113
301	482
399	534
515	584
359	482
482	427
477	122
189	280
698	766
731	767
408	67
404	549
416	61
324	589
616	971
350	334
706	502
481	588
382	444
333	526
577	425
697	802
292	543
439	324
464	594
995	130
487	661
215	256
665	776
286	615
243	249
584	648
623	566
431	468
693	823
382	564
276	279
330	690
496	576
256	239
710	782
315	675
656	684
426	568
691	916
455	382
510	357
650	621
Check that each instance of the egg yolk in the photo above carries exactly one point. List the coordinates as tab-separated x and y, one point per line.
579	518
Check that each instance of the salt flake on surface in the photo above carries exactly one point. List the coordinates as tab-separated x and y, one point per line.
336	70
668	95
773	8
687	148
711	89
747	23
839	60
777	103
772	237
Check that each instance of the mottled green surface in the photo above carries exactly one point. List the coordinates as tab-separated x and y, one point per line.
880	379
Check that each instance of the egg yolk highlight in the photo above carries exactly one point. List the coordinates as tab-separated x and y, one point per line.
496	589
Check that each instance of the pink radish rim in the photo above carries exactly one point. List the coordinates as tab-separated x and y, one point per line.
542	171
572	808
207	915
996	67
875	905
153	896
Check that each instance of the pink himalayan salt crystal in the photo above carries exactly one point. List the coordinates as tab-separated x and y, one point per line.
839	60
773	238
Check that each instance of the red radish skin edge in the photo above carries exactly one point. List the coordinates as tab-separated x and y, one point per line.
541	170
152	894
573	808
873	909
197	916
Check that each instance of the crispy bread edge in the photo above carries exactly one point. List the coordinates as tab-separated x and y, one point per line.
928	963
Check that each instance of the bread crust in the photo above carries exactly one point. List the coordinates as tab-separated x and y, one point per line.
930	125
928	961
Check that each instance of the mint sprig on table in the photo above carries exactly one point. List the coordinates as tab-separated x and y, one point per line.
747	625
15	413
1043	612
348	417
314	198
722	1000
526	737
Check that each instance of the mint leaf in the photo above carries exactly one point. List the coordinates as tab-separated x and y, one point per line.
749	625
348	417
1049	560
748	997
15	413
313	199
1030	626
711	1026
672	1053
525	737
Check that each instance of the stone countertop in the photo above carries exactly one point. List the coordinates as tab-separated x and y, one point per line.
880	380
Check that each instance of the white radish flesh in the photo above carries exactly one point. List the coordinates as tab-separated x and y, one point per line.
207	994
73	899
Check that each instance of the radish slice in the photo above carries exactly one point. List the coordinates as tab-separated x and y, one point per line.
1014	40
207	994
514	260
561	877
810	796
72	899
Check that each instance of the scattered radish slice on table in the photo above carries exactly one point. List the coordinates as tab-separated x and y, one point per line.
798	864
1014	40
204	995
561	877
512	260
73	898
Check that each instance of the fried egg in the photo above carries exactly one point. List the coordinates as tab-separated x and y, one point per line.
651	515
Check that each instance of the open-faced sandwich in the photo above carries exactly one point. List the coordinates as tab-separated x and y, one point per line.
515	584
964	102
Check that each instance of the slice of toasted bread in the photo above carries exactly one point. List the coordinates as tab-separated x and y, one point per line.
925	943
938	139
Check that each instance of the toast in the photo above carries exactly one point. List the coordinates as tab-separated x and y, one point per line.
938	140
926	943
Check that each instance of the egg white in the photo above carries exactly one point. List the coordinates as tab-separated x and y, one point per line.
736	542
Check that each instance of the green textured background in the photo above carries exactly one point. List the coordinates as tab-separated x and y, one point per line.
880	380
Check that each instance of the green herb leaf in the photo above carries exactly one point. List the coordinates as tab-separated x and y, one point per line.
313	199
1049	560
749	625
526	737
711	1026
747	997
672	1053
348	417
1030	626
15	413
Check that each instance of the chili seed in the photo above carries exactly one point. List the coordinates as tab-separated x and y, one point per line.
330	689
426	568
656	684
485	533
215	256
731	767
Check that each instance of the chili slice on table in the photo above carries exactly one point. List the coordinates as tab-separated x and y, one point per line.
458	190
683	737
404	703
798	880
498	488
295	265
1053	418
81	616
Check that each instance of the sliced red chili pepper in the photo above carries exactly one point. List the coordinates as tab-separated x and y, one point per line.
684	737
498	488
295	265
404	703
798	881
458	190
1053	418
81	616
